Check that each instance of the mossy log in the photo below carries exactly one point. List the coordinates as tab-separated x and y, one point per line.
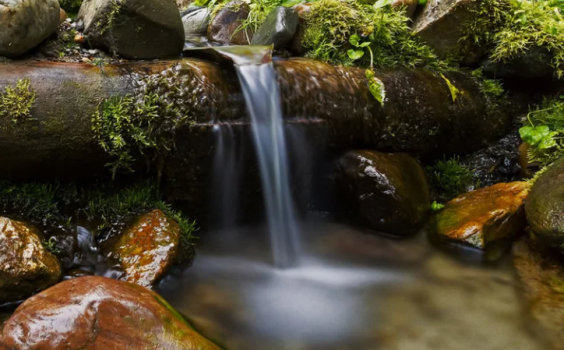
418	116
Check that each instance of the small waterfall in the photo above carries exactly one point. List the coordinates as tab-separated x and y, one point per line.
260	89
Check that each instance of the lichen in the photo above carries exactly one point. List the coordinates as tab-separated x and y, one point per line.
16	102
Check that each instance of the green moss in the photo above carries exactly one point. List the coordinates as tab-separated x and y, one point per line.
143	123
330	24
450	178
16	102
494	93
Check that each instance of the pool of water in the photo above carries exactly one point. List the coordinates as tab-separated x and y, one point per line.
351	291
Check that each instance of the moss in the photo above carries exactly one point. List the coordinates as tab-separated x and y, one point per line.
71	6
17	101
450	178
145	122
494	93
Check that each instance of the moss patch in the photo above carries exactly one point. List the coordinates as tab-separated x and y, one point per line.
449	178
17	101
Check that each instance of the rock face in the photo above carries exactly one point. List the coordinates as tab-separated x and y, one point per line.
440	26
100	313
409	5
134	29
148	248
26	23
195	21
484	216
225	27
25	266
545	207
542	286
278	29
389	191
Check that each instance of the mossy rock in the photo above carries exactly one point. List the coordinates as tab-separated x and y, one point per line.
483	217
100	313
545	206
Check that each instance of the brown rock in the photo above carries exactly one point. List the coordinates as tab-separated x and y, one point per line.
79	38
541	279
225	27
93	313
389	191
295	46
148	248
481	217
25	266
62	16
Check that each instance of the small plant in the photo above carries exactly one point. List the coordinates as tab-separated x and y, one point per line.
435	206
450	178
375	85
454	91
16	102
50	245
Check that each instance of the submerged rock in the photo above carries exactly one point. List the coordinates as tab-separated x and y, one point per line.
389	191
100	313
441	26
541	279
278	28
545	206
26	266
225	27
134	29
148	248
195	21
26	23
485	216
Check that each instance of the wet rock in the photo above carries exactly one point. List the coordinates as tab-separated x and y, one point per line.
545	207
148	248
485	216
25	265
534	63
225	27
100	313
136	29
440	26
295	46
389	191
196	21
541	279
278	28
409	5
26	23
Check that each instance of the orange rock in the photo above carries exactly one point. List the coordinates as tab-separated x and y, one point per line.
62	16
148	248
481	217
79	38
93	313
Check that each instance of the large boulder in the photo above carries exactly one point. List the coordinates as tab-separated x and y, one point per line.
25	266
226	27
134	29
389	191
148	248
441	25
545	207
26	23
93	313
195	21
278	29
485	216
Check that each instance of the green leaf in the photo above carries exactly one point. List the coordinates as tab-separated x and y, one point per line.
534	136
355	40
422	2
437	206
365	44
454	92
382	3
376	86
355	54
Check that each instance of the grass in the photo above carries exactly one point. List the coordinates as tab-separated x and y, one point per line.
450	178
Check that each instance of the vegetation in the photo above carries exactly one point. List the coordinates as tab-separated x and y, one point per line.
144	123
495	95
16	102
450	178
544	132
71	6
108	207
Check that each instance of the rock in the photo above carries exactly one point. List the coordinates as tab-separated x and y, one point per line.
196	21
148	248
26	23
545	207
295	46
79	38
134	29
440	25
278	28
409	5
25	266
225	27
62	16
534	63
541	278
100	313
485	216
389	191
